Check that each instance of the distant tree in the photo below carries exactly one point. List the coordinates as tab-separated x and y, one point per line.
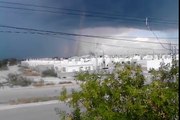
3	64
166	73
13	61
49	72
123	95
1	85
18	80
91	53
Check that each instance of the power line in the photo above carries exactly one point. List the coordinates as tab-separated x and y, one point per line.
85	12
78	35
10	31
53	35
87	42
66	13
110	44
167	38
158	39
148	26
88	15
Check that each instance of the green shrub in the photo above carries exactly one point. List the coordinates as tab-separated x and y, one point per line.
123	95
12	61
49	72
18	80
3	64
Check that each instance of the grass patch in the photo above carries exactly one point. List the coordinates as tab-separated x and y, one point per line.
32	100
65	82
50	83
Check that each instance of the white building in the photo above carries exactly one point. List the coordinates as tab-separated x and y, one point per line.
89	63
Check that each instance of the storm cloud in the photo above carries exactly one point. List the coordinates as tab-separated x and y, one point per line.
21	45
161	10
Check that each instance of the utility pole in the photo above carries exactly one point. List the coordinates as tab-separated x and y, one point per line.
175	53
170	48
96	57
148	26
103	59
174	62
172	52
153	54
146	21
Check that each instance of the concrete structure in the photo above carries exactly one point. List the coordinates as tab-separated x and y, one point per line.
91	63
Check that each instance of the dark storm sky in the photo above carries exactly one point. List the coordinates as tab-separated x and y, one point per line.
32	45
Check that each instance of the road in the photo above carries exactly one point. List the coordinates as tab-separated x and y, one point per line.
34	112
14	93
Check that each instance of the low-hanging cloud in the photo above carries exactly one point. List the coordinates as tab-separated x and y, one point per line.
105	46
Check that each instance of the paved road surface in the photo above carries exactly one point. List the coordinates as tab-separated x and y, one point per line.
37	112
12	94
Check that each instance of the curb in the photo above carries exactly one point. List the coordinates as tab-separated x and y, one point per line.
8	107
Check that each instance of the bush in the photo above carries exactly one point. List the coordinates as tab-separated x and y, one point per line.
18	80
12	61
1	85
32	100
65	82
4	68
51	83
49	72
3	64
123	95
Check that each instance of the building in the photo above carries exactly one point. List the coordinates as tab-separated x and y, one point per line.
91	63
